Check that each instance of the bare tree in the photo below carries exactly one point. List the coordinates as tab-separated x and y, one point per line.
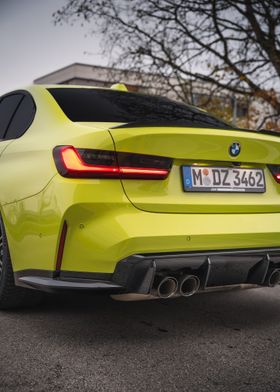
227	45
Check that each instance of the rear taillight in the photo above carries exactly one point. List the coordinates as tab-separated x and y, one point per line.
84	163
275	170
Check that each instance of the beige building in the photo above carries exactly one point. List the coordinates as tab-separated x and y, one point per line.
94	75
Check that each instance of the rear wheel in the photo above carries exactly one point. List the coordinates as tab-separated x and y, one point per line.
12	296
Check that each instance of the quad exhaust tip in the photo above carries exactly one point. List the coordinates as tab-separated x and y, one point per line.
274	278
167	287
188	285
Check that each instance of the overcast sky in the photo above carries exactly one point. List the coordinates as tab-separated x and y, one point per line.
31	46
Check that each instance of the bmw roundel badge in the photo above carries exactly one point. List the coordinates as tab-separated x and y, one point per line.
234	149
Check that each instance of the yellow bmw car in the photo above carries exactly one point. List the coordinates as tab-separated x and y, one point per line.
133	195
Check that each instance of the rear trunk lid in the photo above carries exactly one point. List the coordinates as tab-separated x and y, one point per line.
201	147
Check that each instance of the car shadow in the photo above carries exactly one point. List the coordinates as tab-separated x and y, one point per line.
90	318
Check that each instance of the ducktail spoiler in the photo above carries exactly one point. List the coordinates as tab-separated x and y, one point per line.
139	124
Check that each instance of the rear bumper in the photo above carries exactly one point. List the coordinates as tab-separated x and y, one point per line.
118	234
136	273
104	228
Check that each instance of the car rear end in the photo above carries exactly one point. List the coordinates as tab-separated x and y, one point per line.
184	202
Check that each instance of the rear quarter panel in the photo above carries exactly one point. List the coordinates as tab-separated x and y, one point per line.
32	213
27	164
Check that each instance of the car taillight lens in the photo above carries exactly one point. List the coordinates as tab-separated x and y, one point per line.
275	170
85	163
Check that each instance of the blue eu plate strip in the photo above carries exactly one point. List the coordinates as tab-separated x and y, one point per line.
187	177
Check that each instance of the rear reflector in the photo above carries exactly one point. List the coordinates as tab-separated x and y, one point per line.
275	170
61	247
85	163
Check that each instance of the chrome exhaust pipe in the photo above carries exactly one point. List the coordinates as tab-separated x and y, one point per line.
273	278
166	287
188	285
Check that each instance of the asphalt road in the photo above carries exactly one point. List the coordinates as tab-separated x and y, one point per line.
214	342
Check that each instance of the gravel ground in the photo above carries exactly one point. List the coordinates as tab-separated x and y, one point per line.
214	342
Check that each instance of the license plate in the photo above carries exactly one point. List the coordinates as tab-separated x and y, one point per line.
222	179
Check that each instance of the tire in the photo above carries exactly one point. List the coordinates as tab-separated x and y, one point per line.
12	296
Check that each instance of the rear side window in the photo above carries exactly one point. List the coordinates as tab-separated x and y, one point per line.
97	105
8	106
22	118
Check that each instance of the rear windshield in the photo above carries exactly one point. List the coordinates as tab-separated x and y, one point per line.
97	105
